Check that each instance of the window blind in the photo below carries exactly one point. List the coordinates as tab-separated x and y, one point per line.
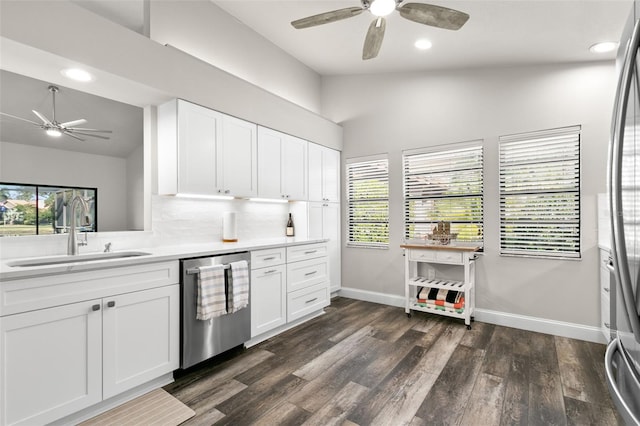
368	203
540	193
444	185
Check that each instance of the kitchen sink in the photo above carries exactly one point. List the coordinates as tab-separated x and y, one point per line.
89	257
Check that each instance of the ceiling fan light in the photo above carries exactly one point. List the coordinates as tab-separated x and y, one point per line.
54	132
77	74
382	7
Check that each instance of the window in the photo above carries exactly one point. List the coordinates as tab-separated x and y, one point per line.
368	202
444	184
40	209
540	193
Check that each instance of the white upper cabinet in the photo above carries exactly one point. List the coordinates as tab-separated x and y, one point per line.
238	157
204	152
324	173
282	165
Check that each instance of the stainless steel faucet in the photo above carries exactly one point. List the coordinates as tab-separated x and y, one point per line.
72	242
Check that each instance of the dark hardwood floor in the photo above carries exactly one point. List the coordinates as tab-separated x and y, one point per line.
363	363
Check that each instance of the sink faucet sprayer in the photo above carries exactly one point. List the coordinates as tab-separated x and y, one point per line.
72	242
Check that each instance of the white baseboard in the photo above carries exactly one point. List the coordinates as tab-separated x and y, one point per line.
540	325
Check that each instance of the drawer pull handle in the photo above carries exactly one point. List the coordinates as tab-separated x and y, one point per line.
310	273
95	307
606	324
310	251
606	289
269	258
312	300
111	304
270	271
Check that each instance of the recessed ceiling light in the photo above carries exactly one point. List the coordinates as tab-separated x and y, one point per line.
77	74
422	44
604	47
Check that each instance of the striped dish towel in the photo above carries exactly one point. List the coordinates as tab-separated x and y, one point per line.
212	299
239	287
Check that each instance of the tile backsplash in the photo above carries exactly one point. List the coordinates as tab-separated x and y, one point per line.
175	221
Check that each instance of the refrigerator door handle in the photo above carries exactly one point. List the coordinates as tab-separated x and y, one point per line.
618	399
620	259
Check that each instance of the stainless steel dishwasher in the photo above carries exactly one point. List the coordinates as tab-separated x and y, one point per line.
202	340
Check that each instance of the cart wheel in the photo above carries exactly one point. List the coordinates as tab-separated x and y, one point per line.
408	314
469	327
473	319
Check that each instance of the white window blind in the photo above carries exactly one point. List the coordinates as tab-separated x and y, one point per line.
444	185
368	203
540	193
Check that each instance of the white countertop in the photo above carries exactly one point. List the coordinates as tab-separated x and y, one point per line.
156	254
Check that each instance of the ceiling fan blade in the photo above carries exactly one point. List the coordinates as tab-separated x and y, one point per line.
73	136
20	118
327	17
374	38
435	16
73	132
82	129
73	123
44	119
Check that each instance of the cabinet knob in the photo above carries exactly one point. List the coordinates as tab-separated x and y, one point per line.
95	307
606	324
226	191
606	289
111	303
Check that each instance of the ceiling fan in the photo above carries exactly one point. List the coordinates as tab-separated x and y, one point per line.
56	129
427	14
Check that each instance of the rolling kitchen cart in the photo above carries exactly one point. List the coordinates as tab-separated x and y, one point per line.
440	254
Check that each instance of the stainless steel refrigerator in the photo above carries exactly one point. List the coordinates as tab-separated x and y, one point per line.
622	359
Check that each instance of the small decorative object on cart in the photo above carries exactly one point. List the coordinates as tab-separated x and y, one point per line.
442	233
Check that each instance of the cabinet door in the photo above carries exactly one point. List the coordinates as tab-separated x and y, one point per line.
238	157
294	168
315	220
315	172
50	363
141	337
269	163
268	299
331	175
199	132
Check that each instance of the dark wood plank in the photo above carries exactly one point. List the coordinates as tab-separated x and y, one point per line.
515	410
283	414
546	401
479	336
335	411
581	413
453	387
485	403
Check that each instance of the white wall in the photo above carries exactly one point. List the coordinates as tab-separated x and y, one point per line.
393	112
39	165
205	31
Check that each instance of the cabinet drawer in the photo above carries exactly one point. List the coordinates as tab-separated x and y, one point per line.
47	291
307	251
268	257
422	255
446	256
305	301
307	273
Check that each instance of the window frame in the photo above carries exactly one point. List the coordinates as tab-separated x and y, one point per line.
384	158
574	225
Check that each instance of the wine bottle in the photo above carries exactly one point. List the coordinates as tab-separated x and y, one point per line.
290	228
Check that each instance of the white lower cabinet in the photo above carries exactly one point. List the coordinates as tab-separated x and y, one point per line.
324	222
58	360
268	290
141	332
51	363
307	280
